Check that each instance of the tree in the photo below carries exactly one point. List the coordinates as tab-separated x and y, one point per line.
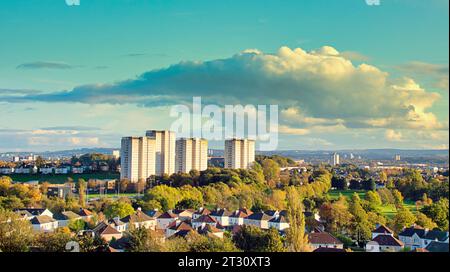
76	225
119	209
254	239
439	213
374	200
403	218
297	239
188	203
81	192
52	242
398	199
123	185
336	215
424	221
144	240
360	226
16	234
271	172
5	184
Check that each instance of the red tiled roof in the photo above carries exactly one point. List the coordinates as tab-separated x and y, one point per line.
323	238
387	240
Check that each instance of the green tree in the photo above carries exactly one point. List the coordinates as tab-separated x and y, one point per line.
361	227
439	213
16	234
119	209
76	225
424	221
271	172
82	186
403	218
52	242
297	240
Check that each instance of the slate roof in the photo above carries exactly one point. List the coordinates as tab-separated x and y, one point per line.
167	215
42	219
437	247
136	217
220	212
179	226
34	212
259	216
279	219
205	219
67	215
409	232
436	235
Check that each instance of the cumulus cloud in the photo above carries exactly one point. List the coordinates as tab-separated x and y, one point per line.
439	72
45	65
392	135
317	89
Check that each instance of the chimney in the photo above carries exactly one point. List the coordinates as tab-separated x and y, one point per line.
139	209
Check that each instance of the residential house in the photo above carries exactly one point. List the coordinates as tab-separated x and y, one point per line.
418	237
184	214
118	224
105	231
200	212
47	170
36	211
6	170
412	237
382	230
140	220
60	191
177	226
85	214
211	231
222	216
203	221
435	236
279	222
384	243
328	249
324	239
435	246
237	217
260	220
65	217
165	220
44	223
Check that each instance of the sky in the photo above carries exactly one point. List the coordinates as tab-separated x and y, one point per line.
345	75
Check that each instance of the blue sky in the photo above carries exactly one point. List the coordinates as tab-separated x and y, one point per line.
48	47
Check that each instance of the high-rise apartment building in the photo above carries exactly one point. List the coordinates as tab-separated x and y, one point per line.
137	158
335	159
164	151
239	153
191	154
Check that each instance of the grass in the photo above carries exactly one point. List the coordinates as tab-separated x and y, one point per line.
334	194
59	179
388	211
111	195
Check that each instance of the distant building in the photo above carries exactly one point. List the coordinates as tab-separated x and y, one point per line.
335	159
60	191
397	158
116	154
239	153
137	159
191	154
164	152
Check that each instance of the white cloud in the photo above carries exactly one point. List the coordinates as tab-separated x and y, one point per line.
392	135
